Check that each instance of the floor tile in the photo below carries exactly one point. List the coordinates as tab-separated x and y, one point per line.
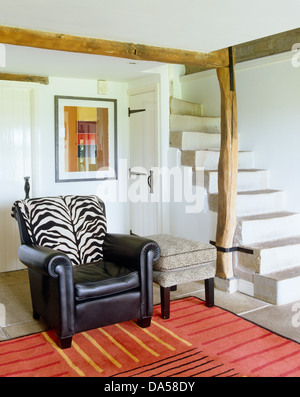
283	319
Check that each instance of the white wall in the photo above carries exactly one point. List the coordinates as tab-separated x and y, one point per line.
43	181
268	99
269	122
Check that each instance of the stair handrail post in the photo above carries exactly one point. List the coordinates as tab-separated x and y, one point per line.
227	170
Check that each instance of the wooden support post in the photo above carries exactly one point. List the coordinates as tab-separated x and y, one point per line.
227	173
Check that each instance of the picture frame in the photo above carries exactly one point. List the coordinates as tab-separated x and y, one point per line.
85	139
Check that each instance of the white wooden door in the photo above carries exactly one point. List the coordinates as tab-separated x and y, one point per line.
143	188
15	164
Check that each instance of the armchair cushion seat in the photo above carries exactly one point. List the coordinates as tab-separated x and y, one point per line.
95	280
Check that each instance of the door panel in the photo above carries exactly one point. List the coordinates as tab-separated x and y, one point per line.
15	163
143	189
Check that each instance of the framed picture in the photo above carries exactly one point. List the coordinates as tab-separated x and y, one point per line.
85	139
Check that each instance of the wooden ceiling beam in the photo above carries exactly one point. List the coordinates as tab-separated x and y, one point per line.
86	45
24	78
266	46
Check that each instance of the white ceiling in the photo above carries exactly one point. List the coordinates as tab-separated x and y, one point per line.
33	61
202	25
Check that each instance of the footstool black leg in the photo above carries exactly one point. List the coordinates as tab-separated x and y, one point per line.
209	292
165	302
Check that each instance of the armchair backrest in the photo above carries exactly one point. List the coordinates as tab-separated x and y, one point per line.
74	225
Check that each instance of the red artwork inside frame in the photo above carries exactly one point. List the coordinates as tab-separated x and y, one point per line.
87	139
87	127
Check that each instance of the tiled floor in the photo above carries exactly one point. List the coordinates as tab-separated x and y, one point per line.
15	310
16	314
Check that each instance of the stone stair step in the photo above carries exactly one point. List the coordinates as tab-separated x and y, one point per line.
178	106
187	140
252	179
194	123
278	288
253	202
267	227
271	256
209	159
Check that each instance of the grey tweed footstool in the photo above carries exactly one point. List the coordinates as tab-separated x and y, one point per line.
182	261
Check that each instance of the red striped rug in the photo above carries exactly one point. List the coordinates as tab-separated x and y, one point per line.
195	342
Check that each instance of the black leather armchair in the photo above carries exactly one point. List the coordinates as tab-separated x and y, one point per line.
112	285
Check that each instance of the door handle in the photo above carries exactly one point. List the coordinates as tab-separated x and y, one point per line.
150	181
135	173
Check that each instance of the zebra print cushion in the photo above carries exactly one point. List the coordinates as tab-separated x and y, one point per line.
74	225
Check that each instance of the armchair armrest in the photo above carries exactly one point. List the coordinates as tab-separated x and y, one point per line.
129	249
138	253
43	260
56	308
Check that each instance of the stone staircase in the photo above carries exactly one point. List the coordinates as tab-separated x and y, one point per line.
264	226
